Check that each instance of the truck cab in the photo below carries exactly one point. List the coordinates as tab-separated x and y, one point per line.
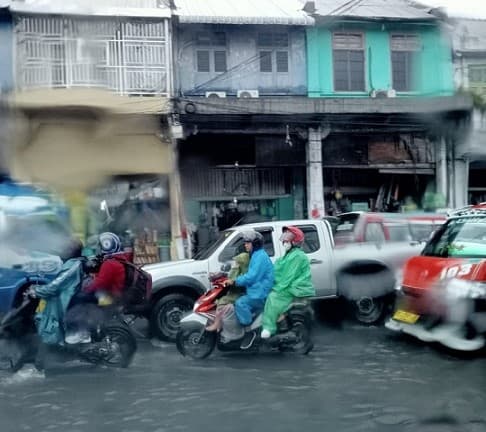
359	227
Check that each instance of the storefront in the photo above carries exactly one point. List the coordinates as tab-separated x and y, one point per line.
95	147
238	178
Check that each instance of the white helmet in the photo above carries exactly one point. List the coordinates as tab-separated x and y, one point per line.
109	243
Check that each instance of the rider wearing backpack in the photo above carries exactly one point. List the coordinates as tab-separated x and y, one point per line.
117	281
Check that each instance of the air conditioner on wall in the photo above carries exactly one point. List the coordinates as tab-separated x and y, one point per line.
215	94
247	93
380	94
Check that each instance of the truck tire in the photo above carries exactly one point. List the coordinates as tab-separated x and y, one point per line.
166	315
367	287
368	310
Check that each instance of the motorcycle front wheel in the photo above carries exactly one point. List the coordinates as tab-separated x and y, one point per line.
193	341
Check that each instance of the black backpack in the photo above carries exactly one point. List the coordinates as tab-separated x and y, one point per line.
138	284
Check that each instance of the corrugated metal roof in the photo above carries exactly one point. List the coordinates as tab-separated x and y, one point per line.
373	9
469	35
287	12
132	8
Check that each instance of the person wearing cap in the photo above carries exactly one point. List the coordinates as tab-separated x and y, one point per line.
257	281
292	280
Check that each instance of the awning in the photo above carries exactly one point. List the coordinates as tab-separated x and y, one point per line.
423	171
88	98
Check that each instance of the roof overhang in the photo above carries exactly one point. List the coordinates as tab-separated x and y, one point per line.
258	20
86	8
263	12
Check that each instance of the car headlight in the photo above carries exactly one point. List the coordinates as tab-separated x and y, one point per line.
478	290
44	266
460	288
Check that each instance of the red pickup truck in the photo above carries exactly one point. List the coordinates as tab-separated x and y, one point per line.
357	227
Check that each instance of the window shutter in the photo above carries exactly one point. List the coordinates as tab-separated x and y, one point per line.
282	61
265	61
404	42
203	61
220	61
349	41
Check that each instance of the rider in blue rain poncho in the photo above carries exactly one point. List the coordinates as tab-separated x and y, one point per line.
258	281
54	301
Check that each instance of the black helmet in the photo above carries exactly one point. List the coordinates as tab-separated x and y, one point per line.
254	237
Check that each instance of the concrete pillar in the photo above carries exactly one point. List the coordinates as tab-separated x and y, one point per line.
4	138
441	183
315	186
461	174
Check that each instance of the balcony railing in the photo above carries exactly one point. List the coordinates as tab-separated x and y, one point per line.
129	58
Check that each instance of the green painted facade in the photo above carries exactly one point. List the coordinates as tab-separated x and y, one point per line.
433	67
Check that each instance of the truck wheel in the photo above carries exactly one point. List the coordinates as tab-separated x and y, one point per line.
167	314
368	310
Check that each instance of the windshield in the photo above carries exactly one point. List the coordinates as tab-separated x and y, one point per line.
461	237
208	250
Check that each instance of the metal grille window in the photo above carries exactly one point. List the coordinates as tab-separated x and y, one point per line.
477	75
213	57
403	54
275	55
348	62
203	61
127	57
265	61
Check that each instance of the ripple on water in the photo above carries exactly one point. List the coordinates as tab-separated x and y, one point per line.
27	373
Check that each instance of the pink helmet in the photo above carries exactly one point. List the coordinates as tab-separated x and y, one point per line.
293	235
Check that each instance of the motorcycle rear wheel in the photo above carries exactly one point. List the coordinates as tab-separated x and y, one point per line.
124	343
194	342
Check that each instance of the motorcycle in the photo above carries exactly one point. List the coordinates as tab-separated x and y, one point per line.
293	328
112	342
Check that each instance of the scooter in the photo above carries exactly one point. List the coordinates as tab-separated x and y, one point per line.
112	342
293	328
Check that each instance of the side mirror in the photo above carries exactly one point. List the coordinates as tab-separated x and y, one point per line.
104	208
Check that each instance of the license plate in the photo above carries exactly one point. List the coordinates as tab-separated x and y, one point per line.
406	317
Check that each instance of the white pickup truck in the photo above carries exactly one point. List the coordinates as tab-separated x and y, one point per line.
364	273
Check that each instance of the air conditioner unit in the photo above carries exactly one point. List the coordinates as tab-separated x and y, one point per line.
381	94
215	94
248	93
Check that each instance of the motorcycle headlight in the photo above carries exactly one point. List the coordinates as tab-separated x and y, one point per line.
49	266
30	267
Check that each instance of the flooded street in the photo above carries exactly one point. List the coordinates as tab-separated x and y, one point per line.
356	379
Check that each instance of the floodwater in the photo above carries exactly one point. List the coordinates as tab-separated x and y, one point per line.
356	379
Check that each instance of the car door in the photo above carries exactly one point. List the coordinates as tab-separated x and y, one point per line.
319	252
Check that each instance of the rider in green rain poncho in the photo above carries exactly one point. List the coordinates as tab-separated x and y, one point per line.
292	280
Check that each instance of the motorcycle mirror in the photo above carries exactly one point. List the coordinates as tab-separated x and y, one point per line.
226	267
